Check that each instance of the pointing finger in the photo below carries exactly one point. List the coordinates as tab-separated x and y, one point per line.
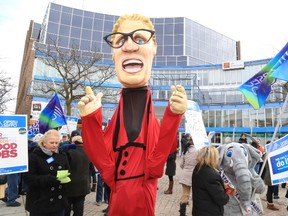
180	88
88	90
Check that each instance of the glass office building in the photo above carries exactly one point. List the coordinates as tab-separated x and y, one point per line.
180	41
188	53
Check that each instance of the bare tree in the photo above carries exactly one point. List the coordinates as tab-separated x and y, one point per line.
75	69
5	88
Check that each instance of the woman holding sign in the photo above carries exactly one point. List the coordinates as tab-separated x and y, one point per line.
48	171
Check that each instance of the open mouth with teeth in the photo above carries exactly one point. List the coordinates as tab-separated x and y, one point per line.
132	65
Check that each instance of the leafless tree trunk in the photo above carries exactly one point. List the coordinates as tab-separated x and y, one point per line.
74	69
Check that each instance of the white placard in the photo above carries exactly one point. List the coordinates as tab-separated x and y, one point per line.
194	125
13	144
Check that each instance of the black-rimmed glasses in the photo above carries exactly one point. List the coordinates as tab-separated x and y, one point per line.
139	36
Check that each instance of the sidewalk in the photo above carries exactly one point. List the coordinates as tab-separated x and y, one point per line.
167	205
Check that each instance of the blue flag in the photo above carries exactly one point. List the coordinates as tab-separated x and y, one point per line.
52	116
257	88
281	72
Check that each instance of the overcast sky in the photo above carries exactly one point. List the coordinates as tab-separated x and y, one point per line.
258	24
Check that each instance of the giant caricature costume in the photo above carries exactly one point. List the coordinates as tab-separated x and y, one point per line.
238	163
132	152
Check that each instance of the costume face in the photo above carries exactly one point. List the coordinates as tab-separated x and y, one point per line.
133	62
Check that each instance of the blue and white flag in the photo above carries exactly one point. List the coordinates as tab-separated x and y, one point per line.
52	116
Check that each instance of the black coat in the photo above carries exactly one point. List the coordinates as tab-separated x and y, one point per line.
171	164
241	140
208	193
45	194
80	176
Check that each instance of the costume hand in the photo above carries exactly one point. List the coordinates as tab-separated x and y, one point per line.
178	99
89	103
248	210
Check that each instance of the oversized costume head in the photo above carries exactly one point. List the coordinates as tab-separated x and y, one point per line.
238	162
134	47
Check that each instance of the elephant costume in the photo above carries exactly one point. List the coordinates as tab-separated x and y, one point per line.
238	162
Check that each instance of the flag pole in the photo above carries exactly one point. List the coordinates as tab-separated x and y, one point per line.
272	140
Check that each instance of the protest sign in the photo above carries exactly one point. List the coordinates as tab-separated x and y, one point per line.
194	125
13	144
71	125
278	160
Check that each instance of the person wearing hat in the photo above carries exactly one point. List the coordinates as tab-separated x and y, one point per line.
74	133
92	168
79	186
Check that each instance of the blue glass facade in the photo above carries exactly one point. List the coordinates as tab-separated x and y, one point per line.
181	41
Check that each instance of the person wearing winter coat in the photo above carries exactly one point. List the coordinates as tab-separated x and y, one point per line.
188	162
242	139
79	186
270	187
45	187
209	196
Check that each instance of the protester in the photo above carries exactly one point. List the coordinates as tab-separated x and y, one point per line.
270	187
256	143
209	195
242	138
93	179
79	186
65	139
184	141
131	153
188	162
107	190
101	192
12	191
170	171
286	196
227	140
45	179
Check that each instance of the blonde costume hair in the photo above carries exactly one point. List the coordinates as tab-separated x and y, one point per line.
208	156
47	135
134	17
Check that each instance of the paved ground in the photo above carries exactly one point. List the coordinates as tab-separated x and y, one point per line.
167	205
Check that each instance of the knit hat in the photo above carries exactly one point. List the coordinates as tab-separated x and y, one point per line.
75	133
77	140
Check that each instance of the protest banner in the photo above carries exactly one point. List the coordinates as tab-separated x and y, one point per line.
278	160
13	144
194	125
71	125
52	116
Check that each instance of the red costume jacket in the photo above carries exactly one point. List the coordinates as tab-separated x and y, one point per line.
131	168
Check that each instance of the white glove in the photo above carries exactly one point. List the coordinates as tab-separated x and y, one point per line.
89	103
178	99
